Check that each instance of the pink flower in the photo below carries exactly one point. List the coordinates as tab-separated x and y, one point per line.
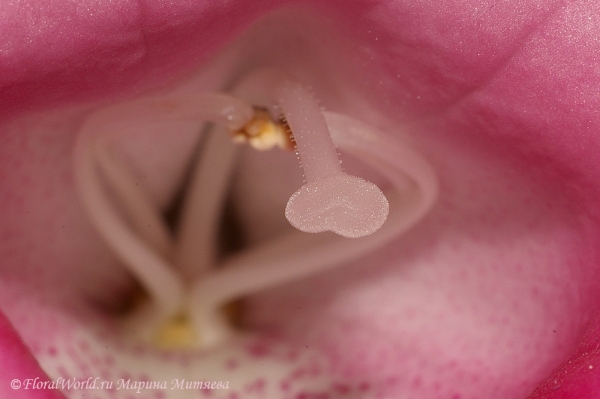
493	294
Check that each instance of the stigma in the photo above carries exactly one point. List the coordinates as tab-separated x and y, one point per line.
187	285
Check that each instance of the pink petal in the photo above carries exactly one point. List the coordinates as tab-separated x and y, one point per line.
59	52
17	364
578	377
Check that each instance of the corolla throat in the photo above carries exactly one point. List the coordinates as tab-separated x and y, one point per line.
187	290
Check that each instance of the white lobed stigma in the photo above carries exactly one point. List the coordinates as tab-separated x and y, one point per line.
331	200
347	205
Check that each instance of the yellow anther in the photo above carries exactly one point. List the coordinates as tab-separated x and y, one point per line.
177	333
264	133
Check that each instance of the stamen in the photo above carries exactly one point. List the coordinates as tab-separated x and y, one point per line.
164	286
330	199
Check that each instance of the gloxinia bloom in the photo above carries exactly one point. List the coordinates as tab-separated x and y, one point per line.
492	294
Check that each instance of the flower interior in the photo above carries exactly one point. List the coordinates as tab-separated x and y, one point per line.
187	300
148	245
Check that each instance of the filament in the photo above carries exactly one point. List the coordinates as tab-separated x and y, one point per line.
197	231
153	271
143	213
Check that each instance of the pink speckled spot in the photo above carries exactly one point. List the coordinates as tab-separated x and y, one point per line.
256	387
257	350
285	385
231	364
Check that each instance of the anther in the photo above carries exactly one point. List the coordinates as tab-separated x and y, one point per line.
263	133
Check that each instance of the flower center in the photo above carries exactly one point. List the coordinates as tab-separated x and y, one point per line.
179	272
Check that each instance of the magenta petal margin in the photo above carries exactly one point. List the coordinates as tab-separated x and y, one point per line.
17	363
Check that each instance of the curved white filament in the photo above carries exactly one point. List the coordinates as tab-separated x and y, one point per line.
153	272
163	284
196	236
143	214
298	255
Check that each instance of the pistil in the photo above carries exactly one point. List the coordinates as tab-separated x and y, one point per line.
331	200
